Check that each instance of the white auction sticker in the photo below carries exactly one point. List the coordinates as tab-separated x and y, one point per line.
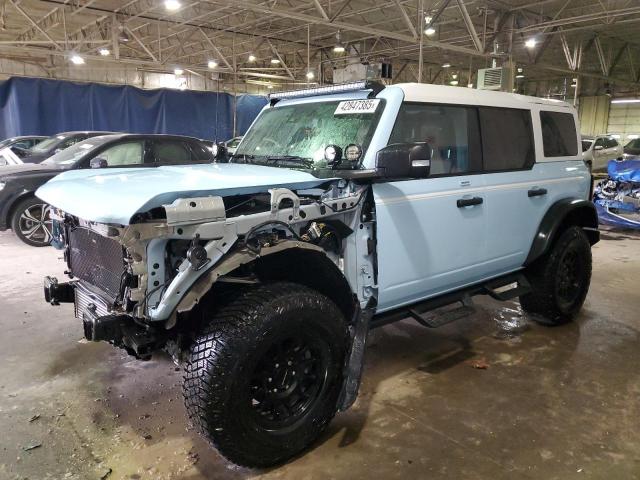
357	106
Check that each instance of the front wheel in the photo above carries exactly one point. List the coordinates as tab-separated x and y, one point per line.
264	375
31	222
560	280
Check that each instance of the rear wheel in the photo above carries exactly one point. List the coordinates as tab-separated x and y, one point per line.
264	375
560	280
31	222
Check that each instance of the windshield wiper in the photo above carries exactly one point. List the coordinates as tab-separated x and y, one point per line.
242	158
290	159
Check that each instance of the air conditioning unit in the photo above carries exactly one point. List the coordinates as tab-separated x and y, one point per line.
495	79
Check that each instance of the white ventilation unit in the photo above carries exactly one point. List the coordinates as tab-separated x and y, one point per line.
494	79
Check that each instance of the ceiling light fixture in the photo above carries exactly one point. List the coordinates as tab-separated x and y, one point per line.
76	59
252	57
429	30
453	82
275	61
520	75
178	71
339	47
531	43
104	52
212	64
469	85
446	65
172	5
626	100
310	75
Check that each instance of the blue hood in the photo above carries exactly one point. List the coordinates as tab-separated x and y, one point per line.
625	171
115	195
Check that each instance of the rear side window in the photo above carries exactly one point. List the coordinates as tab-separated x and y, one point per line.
507	139
559	136
612	142
451	131
172	152
199	153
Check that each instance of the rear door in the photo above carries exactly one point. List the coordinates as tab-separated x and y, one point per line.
431	232
171	152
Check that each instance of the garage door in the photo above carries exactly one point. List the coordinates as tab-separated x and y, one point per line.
624	120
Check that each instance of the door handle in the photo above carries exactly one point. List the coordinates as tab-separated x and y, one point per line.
537	192
469	202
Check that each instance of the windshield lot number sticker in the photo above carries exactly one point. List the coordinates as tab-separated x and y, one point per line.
357	106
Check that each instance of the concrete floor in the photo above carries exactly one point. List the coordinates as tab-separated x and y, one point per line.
554	403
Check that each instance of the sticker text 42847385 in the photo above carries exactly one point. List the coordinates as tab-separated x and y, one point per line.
357	106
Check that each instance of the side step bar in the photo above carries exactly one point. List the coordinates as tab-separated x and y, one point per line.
494	288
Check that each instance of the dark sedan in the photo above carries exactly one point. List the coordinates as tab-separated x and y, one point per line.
633	147
29	217
24	142
53	145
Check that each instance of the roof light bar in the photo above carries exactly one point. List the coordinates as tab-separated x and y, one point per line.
329	90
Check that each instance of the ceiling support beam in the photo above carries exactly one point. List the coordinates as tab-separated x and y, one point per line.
406	19
15	5
216	49
470	26
604	64
321	9
144	47
282	62
617	58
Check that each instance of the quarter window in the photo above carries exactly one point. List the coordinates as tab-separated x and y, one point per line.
559	136
451	131
507	139
171	152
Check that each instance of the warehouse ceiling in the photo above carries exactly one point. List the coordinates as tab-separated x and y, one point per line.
281	43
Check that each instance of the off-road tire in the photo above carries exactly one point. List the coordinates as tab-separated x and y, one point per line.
40	238
219	386
546	278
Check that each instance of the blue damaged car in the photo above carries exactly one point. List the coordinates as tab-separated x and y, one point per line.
343	208
617	198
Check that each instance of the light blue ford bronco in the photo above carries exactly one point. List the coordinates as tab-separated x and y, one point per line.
344	208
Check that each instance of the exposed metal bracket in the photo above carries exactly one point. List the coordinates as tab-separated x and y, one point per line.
185	211
280	194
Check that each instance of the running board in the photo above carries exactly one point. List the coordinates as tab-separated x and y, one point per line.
495	288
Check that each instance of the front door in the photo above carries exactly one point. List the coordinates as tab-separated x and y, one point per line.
431	233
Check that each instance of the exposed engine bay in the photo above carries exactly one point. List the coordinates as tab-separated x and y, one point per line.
133	284
617	198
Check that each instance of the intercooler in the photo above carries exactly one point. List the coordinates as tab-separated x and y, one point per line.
96	260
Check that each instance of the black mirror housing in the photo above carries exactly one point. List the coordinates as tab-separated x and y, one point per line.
404	160
98	162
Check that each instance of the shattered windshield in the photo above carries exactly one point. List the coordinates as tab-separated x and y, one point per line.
296	136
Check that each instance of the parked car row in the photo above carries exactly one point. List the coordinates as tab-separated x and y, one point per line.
599	150
30	218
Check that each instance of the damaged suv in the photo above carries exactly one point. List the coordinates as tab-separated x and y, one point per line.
344	208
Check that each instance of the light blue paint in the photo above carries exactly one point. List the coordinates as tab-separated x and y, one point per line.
114	196
428	246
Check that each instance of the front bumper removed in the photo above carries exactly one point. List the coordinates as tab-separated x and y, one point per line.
100	325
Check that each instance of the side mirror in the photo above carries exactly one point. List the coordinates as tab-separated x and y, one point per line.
404	160
598	147
220	153
98	162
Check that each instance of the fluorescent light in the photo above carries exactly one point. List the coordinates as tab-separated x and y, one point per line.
178	71
633	136
77	59
531	43
338	49
212	64
172	5
446	65
252	57
310	75
104	52
430	31
520	75
626	100
275	61
453	82
469	85
520	70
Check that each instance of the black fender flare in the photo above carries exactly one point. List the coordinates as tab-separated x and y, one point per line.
568	211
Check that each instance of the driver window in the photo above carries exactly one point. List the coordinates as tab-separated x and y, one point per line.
451	132
599	143
130	153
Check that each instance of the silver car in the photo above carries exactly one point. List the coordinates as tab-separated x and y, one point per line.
598	150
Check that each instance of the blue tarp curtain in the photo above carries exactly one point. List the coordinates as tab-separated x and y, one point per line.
33	106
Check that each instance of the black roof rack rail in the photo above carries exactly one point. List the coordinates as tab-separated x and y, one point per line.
375	87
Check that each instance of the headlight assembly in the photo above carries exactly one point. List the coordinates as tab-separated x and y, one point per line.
2	184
